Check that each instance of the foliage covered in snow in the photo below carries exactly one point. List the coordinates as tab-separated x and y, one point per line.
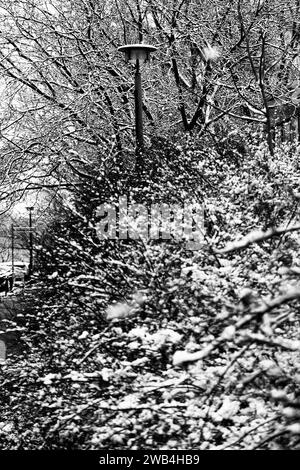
142	344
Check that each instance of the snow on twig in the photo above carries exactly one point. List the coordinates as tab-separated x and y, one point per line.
256	237
290	345
182	357
270	304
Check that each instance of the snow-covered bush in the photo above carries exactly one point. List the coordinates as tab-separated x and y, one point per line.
145	343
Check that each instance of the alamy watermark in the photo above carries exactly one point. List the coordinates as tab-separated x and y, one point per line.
125	220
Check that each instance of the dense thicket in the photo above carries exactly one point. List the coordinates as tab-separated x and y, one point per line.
145	343
109	323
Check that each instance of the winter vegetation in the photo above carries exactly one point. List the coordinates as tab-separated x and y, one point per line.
144	342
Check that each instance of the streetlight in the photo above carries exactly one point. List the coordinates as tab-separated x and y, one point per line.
12	253
30	209
137	54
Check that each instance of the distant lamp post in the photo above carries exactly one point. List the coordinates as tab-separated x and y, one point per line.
137	54
30	209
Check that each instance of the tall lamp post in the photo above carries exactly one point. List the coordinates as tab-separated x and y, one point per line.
30	209
13	251
137	54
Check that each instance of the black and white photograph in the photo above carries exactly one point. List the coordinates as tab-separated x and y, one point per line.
149	228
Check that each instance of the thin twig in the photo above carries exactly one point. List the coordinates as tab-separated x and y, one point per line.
226	446
256	237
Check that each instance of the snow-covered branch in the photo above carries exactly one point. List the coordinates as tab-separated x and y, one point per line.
256	237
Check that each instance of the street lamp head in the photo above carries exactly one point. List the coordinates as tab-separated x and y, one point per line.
134	52
30	208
